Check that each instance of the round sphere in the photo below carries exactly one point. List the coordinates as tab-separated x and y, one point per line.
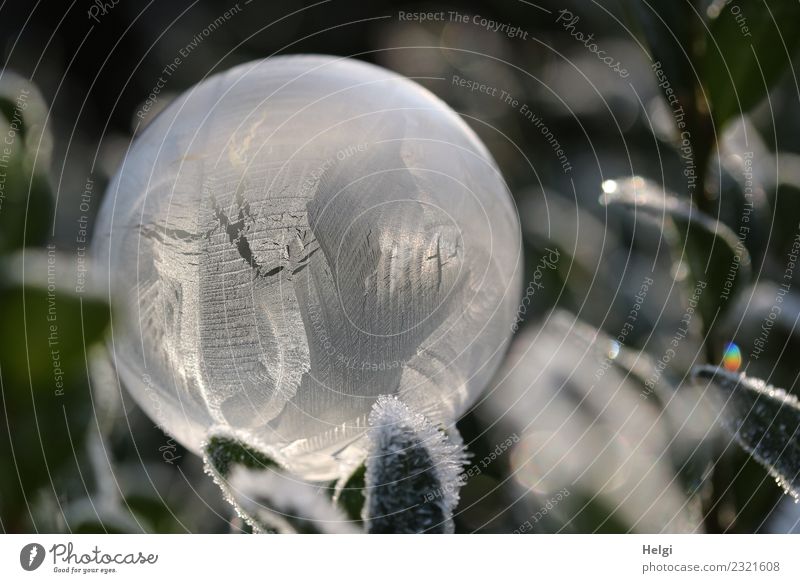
292	238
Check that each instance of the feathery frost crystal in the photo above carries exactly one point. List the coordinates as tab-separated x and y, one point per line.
295	237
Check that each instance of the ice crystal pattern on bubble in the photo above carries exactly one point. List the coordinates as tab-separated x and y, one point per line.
295	237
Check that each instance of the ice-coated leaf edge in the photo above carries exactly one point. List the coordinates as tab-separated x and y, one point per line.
635	195
783	403
224	451
413	472
220	452
693	228
267	496
303	505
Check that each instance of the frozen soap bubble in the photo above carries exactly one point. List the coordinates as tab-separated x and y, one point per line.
295	237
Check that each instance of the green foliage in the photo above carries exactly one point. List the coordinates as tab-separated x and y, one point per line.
748	48
46	328
634	432
46	400
25	144
351	496
266	496
46	335
223	453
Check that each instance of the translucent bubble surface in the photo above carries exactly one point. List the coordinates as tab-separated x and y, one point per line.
292	238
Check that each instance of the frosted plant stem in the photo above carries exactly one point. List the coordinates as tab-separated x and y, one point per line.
413	472
764	420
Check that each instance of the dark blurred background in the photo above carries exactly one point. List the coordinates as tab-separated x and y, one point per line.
88	459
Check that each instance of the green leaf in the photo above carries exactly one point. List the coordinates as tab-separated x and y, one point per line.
26	144
46	334
224	453
350	497
749	45
764	420
43	380
221	456
718	261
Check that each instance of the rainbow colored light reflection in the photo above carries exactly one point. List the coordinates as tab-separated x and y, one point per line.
732	358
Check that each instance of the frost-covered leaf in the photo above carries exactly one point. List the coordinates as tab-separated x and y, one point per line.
716	257
740	65
221	455
587	425
266	496
225	453
413	472
764	420
46	326
46	333
287	503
